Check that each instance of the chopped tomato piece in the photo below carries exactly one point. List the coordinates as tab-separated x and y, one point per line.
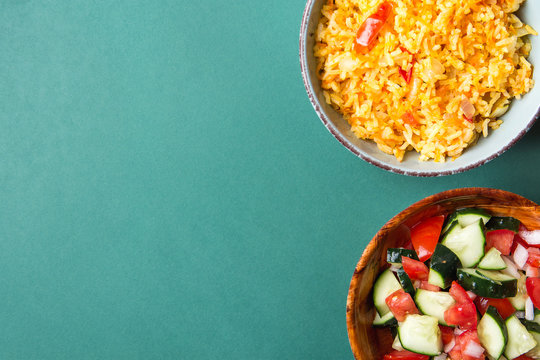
455	353
401	304
501	240
404	355
408	118
462	315
459	294
371	27
532	271
533	290
503	306
424	284
534	257
523	357
470	346
425	235
416	270
447	334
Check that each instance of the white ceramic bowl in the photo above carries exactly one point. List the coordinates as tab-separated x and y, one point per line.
517	121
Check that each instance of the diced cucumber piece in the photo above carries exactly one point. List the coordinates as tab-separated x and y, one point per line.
492	261
487	283
496	275
443	266
520	340
466	242
385	321
534	329
492	333
531	326
518	301
385	285
405	281
469	216
466	217
421	334
536	316
434	303
499	222
393	255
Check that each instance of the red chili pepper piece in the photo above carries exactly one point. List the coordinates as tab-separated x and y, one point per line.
407	75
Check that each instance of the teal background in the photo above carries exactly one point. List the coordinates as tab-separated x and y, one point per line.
168	192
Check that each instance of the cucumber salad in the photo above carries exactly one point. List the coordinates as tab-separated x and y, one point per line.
467	288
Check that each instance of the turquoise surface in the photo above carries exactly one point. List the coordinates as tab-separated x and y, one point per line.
168	192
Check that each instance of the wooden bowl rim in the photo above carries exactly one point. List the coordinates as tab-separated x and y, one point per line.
398	219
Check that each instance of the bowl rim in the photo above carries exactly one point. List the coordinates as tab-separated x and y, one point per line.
398	219
361	154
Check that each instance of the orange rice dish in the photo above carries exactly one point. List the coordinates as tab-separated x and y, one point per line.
436	76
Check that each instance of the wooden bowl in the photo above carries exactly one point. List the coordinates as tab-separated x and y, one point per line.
368	343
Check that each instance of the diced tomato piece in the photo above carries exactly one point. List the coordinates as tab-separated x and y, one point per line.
447	334
503	306
408	118
467	342
401	304
459	294
416	270
404	355
533	290
455	353
523	357
462	315
532	271
425	236
424	284
371	27
534	257
501	240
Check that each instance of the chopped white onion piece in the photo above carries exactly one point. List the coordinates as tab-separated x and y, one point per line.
511	268
473	349
520	256
471	295
458	331
394	268
443	356
396	345
530	237
448	347
529	309
417	284
520	314
468	108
